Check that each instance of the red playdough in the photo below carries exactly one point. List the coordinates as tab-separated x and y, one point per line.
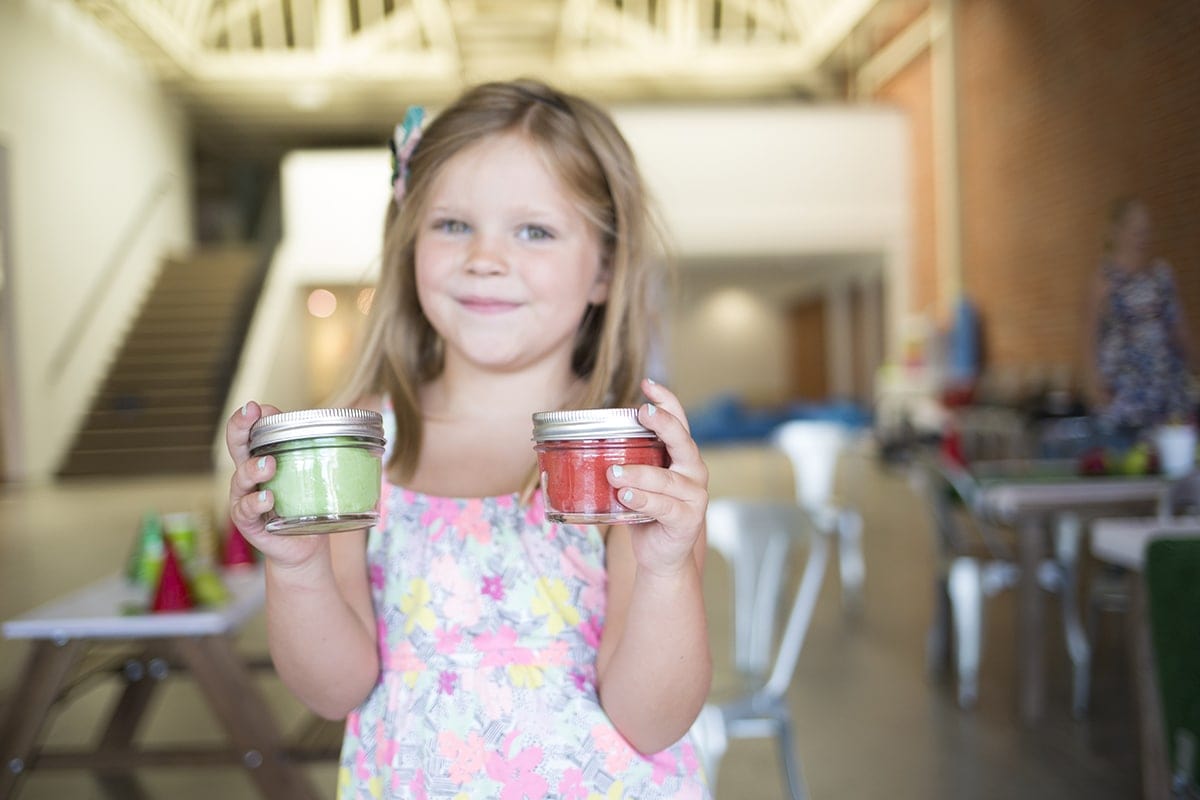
574	477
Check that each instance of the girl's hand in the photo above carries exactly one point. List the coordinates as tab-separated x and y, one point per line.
677	497
248	506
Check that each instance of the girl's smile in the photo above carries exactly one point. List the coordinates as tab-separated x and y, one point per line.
488	305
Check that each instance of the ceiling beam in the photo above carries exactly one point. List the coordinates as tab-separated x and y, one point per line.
832	28
235	12
160	28
436	22
894	56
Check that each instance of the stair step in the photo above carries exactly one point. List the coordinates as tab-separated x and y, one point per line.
136	397
200	296
162	416
185	312
137	438
155	328
174	460
191	359
172	344
133	383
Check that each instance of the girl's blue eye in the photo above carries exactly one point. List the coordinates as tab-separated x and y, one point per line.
450	226
534	233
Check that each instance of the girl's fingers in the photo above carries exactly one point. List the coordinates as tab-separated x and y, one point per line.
665	399
685	455
248	510
655	480
237	429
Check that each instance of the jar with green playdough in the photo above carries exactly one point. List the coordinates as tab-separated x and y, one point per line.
328	468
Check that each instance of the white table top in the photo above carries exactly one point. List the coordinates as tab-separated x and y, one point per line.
95	612
1122	540
1007	497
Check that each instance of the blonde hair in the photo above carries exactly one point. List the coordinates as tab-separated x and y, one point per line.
583	148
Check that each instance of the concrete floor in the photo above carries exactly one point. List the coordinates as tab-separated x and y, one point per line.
870	723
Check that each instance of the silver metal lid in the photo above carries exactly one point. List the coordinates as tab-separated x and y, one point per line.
589	423
317	422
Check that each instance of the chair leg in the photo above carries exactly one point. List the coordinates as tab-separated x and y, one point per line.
711	739
851	565
966	603
1067	534
937	640
788	758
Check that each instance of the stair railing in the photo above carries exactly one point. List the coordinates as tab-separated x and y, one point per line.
268	234
105	278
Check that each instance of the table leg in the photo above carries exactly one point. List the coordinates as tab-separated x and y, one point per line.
1068	534
1031	658
46	671
247	719
141	679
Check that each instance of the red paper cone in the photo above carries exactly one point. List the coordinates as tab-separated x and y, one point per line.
172	593
236	550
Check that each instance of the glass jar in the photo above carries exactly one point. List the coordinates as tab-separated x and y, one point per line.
328	468
575	450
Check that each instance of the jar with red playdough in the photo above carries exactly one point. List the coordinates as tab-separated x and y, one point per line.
575	450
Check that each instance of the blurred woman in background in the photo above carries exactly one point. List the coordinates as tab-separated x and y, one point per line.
1139	356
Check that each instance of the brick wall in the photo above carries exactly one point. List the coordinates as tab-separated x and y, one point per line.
1063	106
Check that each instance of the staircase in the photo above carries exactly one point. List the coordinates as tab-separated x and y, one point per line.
159	409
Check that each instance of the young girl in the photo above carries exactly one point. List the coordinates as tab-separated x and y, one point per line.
479	650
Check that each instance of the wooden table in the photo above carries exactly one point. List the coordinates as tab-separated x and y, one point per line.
1043	498
198	642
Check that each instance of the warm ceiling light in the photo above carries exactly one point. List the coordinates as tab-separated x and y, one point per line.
321	303
310	96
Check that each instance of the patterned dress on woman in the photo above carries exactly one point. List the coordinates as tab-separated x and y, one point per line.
1139	361
489	619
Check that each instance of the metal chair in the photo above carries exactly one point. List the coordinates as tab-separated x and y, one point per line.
974	563
757	538
813	448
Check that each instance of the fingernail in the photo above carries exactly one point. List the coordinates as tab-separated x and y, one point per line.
262	496
651	381
651	409
617	470
626	495
245	409
262	463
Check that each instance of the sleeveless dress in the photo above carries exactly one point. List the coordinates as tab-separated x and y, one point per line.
489	619
1138	359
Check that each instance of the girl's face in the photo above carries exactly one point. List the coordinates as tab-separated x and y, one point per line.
506	264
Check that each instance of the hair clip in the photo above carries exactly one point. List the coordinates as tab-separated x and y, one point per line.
403	142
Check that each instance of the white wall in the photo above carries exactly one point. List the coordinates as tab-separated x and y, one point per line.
730	182
90	139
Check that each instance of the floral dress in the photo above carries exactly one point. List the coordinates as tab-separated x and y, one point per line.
489	619
1138	358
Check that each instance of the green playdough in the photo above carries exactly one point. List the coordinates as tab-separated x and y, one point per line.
321	477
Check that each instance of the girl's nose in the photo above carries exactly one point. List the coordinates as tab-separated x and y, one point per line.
486	256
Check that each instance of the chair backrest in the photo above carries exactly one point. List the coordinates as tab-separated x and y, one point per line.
813	447
1172	575
756	538
945	487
